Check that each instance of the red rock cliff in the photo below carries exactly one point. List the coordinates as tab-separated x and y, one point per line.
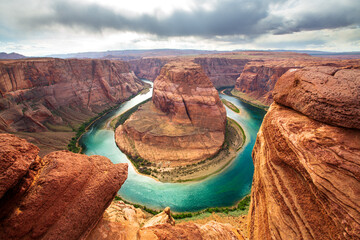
307	172
39	91
222	72
60	196
184	123
257	80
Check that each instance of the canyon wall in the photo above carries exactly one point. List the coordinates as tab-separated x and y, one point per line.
38	93
60	196
148	68
258	78
306	183
221	71
184	123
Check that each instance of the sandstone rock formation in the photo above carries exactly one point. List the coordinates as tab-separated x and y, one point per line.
123	221
184	123
307	174
257	80
36	94
222	71
327	94
60	196
148	68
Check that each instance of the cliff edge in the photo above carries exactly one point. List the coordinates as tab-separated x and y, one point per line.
306	183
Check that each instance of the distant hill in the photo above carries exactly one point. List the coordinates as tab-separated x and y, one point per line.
134	54
13	55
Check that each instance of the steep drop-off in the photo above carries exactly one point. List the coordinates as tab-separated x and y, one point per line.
184	123
222	72
60	196
307	172
40	91
43	100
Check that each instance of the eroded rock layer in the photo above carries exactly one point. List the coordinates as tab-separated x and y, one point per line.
36	94
184	123
306	183
60	196
327	94
257	80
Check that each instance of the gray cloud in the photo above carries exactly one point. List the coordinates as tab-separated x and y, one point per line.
228	18
231	17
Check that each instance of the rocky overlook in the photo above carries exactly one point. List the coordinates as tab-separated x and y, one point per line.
60	196
306	183
184	123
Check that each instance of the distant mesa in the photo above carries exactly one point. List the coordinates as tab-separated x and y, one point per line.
13	55
183	124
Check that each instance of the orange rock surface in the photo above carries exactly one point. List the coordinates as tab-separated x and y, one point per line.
34	92
184	123
327	94
257	80
60	196
306	183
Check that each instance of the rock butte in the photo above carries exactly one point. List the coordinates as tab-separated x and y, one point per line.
60	196
184	123
306	183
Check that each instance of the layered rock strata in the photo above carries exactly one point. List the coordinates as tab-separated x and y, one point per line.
222	71
36	94
257	80
60	196
307	172
184	123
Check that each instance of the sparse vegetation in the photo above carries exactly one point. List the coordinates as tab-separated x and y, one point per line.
123	117
242	208
230	105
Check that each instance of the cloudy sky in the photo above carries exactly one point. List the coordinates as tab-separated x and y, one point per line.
40	27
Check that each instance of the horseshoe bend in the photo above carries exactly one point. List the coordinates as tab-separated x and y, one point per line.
183	125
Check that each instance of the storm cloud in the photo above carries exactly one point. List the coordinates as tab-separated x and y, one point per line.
231	17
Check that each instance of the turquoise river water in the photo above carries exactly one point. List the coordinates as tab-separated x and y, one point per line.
222	189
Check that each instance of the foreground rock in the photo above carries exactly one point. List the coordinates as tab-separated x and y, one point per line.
327	94
60	196
307	175
184	123
123	221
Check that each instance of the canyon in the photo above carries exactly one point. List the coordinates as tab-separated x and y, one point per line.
306	183
42	99
182	125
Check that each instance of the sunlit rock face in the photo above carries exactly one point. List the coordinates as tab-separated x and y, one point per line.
306	183
34	92
184	123
60	196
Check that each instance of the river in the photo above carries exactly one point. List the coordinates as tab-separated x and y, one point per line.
223	189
